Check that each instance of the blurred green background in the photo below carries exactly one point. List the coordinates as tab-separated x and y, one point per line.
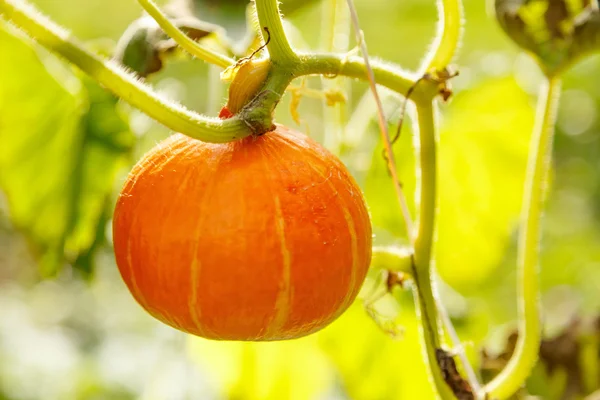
70	330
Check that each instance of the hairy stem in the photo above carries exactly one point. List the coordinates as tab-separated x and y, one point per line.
124	85
387	75
392	258
426	301
443	51
540	154
457	346
279	47
448	37
182	39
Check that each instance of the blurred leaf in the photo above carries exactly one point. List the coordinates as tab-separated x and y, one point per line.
482	157
231	13
62	143
85	259
38	127
386	217
370	363
351	356
294	370
568	361
105	148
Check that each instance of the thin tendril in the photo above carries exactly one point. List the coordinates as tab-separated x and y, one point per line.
262	47
382	124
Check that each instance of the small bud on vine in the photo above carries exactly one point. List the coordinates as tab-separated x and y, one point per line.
557	32
144	45
247	79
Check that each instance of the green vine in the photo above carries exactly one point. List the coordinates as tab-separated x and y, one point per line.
425	293
182	39
526	352
448	38
269	18
117	80
256	117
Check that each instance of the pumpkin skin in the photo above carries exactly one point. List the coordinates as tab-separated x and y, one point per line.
265	238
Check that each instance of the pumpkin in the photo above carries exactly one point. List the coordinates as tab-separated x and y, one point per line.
265	238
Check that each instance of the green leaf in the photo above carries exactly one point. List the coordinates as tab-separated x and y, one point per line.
231	14
62	142
366	364
482	158
294	370
388	225
39	121
105	146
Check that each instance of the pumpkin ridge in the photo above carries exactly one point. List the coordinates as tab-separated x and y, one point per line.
284	297
194	307
353	237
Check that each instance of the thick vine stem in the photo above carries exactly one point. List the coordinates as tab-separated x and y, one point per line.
448	38
526	353
117	80
257	114
182	39
392	258
424	292
386	74
269	18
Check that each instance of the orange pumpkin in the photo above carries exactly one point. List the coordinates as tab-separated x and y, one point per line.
265	238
